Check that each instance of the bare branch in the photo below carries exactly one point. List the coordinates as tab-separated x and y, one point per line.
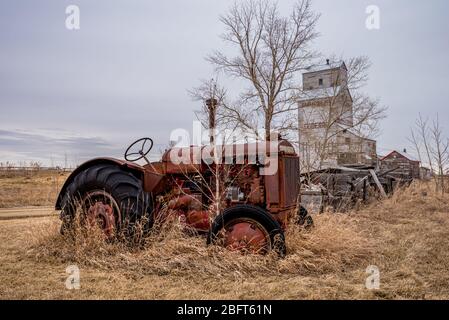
272	49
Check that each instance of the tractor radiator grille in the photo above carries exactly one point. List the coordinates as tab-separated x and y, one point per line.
291	180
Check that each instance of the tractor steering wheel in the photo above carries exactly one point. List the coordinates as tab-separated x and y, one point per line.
134	154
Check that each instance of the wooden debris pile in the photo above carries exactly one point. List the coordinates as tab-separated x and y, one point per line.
342	188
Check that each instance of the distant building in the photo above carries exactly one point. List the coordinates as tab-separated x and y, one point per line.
406	166
326	120
425	173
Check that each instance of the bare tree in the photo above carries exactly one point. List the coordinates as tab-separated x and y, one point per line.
420	137
440	151
430	137
207	91
213	99
272	50
423	131
416	143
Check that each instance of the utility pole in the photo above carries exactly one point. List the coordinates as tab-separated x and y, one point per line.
211	105
212	110
299	128
298	199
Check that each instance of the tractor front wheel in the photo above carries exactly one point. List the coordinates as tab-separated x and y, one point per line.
247	229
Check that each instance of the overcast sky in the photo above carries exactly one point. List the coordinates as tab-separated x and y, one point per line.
126	72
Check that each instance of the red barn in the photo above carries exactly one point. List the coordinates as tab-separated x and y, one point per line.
407	166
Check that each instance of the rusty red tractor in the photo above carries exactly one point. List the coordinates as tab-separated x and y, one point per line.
251	216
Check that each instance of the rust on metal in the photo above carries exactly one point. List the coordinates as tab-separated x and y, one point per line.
246	235
188	191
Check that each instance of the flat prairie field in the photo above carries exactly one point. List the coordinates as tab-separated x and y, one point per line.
403	240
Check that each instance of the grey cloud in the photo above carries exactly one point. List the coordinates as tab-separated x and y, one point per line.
28	146
125	73
55	147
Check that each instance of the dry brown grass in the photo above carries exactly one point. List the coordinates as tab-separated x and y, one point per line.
30	188
405	236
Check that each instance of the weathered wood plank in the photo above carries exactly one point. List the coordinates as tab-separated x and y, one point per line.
379	185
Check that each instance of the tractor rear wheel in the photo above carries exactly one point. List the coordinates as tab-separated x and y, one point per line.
247	229
108	196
